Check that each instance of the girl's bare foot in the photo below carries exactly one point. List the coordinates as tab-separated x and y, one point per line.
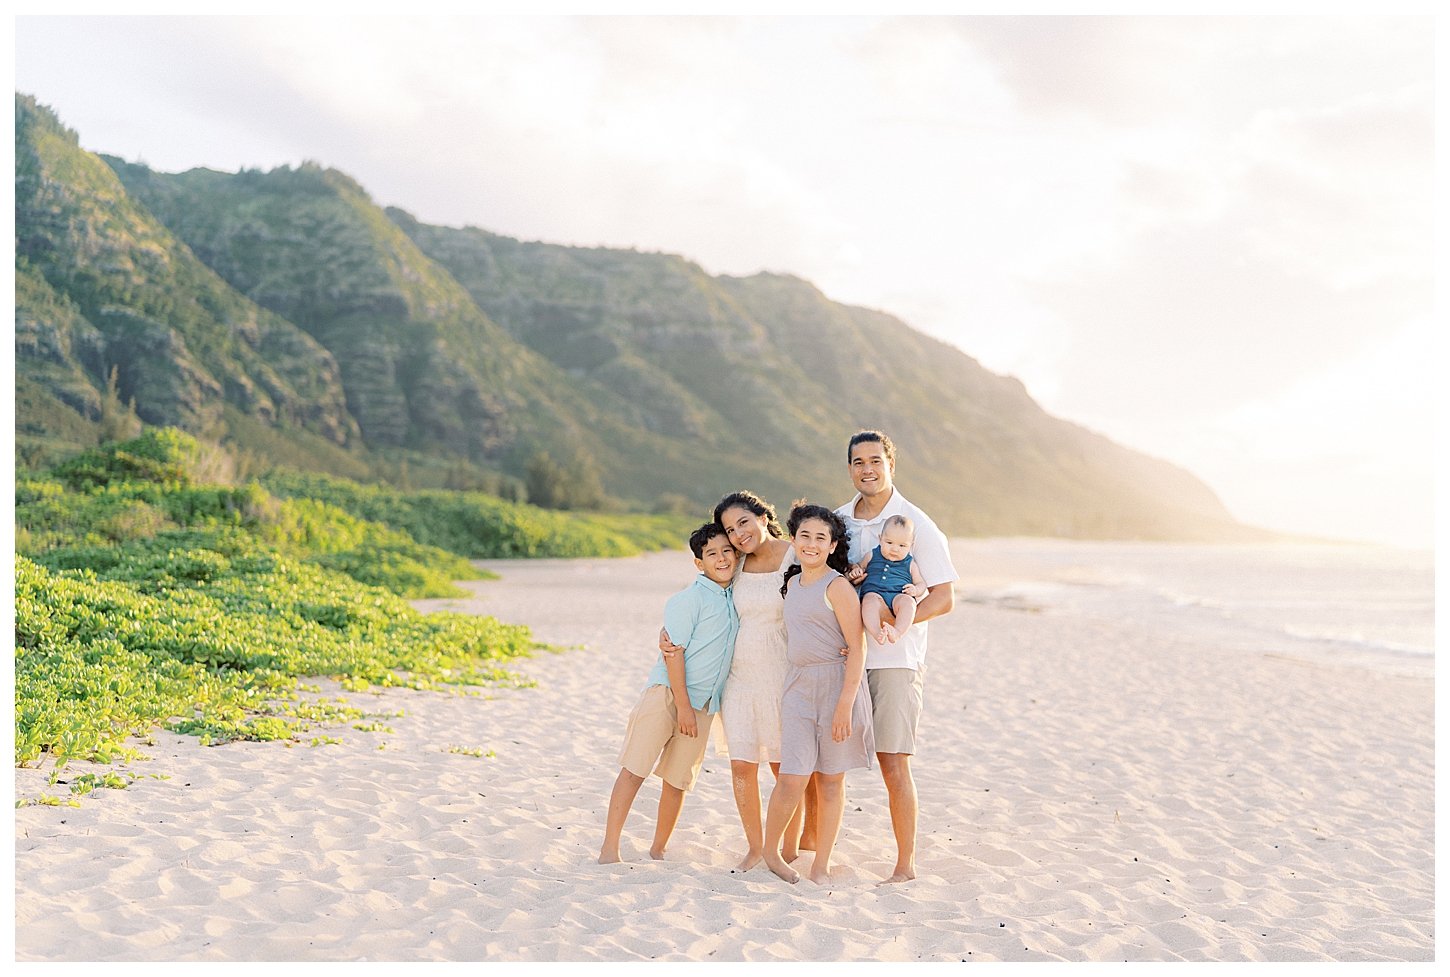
789	855
900	875
751	859
609	857
781	869
820	874
658	856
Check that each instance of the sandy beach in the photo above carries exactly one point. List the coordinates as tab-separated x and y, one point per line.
1089	791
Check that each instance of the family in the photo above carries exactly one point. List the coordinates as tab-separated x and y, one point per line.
810	645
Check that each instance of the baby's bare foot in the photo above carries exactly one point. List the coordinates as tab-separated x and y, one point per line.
781	869
750	860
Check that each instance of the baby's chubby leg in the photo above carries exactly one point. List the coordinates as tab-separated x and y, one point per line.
872	609
904	608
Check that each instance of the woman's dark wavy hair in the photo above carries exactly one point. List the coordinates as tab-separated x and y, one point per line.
839	559
750	502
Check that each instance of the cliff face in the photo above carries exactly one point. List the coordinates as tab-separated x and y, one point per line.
767	366
101	283
291	304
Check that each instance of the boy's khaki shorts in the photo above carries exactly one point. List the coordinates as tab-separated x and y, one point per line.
654	734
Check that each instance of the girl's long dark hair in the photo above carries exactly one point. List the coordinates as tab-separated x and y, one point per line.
750	502
838	559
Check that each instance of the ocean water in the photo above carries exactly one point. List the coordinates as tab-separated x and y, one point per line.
1367	606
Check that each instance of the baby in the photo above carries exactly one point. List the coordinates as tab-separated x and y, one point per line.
892	582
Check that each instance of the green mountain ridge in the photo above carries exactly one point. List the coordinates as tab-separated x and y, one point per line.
326	333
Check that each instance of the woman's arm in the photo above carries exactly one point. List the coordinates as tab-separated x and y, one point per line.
848	615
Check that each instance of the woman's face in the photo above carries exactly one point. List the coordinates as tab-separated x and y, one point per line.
813	543
745	529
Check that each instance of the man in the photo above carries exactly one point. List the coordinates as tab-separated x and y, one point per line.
894	670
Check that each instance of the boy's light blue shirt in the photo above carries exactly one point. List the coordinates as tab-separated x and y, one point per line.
702	620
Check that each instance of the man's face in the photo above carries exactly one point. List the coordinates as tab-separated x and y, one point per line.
871	470
717	560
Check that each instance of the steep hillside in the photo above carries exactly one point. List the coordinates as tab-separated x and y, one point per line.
790	374
328	334
101	285
424	367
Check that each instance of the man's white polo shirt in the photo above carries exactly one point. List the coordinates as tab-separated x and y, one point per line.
932	558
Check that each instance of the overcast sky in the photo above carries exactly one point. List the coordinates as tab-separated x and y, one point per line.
1209	238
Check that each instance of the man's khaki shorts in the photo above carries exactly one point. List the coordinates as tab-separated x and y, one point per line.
653	735
895	707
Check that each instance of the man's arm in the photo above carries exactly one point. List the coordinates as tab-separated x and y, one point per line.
939	600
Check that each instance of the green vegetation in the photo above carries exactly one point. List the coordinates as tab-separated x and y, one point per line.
150	593
480	526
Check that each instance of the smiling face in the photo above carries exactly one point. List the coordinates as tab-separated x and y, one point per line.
871	470
896	543
717	560
813	543
745	529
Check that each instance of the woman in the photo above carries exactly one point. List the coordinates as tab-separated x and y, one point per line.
749	728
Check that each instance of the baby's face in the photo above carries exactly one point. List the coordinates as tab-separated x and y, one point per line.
896	544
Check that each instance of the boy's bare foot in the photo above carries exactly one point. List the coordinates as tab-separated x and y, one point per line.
890	633
789	855
881	636
820	874
781	869
658	856
902	874
609	857
751	859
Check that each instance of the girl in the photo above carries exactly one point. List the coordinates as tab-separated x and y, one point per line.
825	712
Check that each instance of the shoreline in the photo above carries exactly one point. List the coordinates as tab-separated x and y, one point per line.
1277	810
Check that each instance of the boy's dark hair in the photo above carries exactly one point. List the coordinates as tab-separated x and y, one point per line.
837	559
703	535
860	437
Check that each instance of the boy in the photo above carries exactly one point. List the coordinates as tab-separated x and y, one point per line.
892	582
671	722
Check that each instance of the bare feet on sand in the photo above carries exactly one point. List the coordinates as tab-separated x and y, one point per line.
747	863
902	874
789	854
658	856
609	857
820	876
780	868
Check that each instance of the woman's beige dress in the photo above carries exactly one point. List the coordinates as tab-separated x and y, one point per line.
749	727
